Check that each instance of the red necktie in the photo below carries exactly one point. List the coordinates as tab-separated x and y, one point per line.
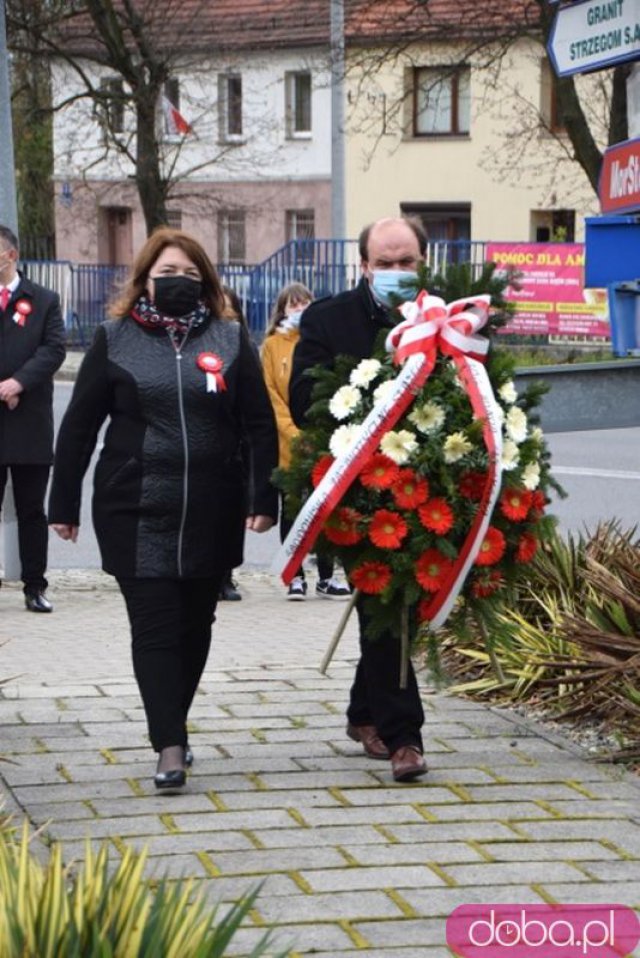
5	296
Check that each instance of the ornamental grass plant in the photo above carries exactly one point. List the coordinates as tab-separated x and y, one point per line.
569	646
95	910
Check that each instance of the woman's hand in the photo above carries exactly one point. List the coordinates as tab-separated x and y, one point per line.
66	532
259	523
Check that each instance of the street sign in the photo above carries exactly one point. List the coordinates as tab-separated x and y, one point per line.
591	35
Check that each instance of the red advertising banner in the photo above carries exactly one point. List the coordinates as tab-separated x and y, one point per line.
550	296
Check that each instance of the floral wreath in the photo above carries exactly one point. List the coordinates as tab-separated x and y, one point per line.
402	523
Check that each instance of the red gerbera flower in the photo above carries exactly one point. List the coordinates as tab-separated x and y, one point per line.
431	569
320	469
515	503
371	577
472	485
492	548
486	584
387	529
437	516
380	472
409	490
342	527
527	547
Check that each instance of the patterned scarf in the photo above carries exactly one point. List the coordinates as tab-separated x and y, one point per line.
145	313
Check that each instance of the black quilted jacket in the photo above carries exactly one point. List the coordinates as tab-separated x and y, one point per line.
171	491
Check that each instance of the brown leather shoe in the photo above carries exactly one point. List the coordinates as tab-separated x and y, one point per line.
407	762
371	742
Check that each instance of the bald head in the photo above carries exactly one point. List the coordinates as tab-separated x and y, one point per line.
391	244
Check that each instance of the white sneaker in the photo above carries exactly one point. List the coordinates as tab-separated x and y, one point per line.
297	590
332	589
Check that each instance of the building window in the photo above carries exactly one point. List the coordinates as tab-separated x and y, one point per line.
553	226
112	104
552	116
300	225
298	104
441	101
448	225
174	219
230	106
231	236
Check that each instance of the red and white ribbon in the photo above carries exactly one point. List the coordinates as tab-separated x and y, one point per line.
212	366
23	309
430	326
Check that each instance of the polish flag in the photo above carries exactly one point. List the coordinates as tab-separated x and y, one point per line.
175	123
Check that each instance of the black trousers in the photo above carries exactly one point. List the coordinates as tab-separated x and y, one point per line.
29	489
376	696
325	565
171	623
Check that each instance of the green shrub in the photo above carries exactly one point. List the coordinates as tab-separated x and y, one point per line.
96	911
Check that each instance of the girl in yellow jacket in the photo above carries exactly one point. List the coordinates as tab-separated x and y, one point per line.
280	341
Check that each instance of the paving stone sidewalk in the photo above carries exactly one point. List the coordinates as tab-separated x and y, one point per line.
352	863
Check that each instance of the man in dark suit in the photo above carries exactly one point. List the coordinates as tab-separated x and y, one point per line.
32	348
385	718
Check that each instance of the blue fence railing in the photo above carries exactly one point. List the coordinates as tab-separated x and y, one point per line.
325	266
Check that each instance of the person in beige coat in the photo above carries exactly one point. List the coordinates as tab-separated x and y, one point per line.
280	341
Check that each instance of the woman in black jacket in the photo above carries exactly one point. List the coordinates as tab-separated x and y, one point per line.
181	389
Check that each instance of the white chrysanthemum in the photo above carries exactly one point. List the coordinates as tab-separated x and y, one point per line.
456	446
531	476
365	372
344	401
427	418
537	435
399	446
500	414
510	455
382	391
343	439
507	392
516	424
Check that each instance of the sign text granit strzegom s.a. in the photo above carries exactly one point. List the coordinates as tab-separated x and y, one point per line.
613	39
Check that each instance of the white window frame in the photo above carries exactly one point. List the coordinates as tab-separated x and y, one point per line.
224	107
292	93
225	224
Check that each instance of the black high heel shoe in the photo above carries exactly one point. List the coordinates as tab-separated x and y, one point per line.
172	780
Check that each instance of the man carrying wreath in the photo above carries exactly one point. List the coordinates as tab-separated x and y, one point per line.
32	348
385	717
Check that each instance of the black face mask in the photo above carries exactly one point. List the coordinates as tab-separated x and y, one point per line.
176	295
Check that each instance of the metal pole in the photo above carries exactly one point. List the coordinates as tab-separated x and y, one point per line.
8	217
338	227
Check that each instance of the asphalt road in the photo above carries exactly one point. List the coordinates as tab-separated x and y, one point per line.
599	470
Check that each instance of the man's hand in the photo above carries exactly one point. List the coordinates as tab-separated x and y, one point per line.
9	389
65	531
259	523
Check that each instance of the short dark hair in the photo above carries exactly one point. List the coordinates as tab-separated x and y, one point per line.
9	237
414	224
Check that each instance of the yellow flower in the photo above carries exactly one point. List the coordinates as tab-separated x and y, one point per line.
399	446
456	446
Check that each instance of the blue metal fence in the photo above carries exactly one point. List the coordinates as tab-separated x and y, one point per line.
325	266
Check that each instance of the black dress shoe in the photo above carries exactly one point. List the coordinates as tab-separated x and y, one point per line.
171	781
229	592
37	602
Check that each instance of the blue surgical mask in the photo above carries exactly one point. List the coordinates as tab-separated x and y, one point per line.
389	283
